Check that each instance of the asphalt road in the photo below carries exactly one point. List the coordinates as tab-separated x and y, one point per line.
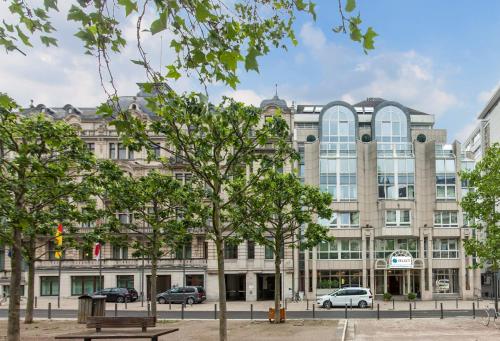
246	315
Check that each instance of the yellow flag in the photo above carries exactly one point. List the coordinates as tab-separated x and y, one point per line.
59	240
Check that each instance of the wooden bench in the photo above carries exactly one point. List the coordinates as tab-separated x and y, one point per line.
100	322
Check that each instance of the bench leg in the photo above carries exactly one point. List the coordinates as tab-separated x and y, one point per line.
87	339
154	338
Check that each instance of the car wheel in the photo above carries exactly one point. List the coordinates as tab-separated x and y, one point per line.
362	304
120	299
190	300
162	300
327	304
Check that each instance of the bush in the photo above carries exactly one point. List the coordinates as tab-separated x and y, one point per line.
412	296
387	296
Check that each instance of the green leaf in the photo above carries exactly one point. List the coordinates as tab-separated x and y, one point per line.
138	62
350	5
369	39
230	59
202	11
312	10
159	24
9	28
47	41
251	60
172	72
50	4
130	6
24	38
76	14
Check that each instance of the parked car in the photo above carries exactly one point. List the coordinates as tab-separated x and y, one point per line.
119	295
360	297
134	295
188	295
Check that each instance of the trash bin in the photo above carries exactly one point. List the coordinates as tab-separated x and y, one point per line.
98	305
84	308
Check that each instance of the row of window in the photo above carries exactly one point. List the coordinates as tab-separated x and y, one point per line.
118	151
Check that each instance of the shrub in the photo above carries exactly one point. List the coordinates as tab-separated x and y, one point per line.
387	296
412	296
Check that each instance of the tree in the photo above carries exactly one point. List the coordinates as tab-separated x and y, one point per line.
210	38
278	207
482	208
217	145
162	210
41	162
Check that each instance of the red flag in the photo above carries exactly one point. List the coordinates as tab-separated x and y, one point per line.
97	251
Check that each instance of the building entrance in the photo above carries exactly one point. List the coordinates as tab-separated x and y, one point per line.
235	287
395	282
265	287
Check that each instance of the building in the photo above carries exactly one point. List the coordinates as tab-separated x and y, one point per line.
397	222
485	134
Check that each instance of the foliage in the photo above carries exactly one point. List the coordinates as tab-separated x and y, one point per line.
481	205
209	38
412	296
387	296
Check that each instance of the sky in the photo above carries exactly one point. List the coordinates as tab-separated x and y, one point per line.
440	57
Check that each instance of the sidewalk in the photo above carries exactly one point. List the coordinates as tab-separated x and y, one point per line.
72	303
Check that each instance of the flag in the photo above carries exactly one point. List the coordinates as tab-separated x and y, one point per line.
97	251
59	240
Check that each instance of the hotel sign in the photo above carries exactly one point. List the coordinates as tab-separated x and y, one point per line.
401	262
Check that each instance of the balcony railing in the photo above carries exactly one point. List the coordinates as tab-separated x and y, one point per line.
119	263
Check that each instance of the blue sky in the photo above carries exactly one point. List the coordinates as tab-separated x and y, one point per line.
441	57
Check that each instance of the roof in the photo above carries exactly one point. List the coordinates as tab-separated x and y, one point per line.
275	101
372	102
491	104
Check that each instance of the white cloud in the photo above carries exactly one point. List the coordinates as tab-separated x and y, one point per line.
484	96
312	36
249	97
465	132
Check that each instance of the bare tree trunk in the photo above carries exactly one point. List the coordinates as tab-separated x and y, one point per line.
154	265
13	332
28	318
222	289
277	281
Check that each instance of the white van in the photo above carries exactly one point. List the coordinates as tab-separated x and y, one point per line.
360	297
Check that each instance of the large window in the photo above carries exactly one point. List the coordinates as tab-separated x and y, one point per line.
338	153
51	250
467	165
184	252
340	249
397	218
85	252
250	249
445	219
341	220
2	258
384	247
334	279
302	162
125	281
195	280
49	285
445	248
391	125
230	251
396	178
85	285
445	281
445	179
120	151
120	252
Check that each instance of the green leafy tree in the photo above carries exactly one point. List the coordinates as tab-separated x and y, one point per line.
217	145
41	162
482	207
162	208
210	38
277	208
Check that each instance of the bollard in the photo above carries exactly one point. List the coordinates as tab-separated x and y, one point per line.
59	301
215	311
116	310
393	304
415	304
35	301
345	311
169	305
314	311
456	302
378	311
125	304
307	300
149	308
351	303
182	310
286	304
410	311
435	304
50	311
473	310
442	311
373	302
251	311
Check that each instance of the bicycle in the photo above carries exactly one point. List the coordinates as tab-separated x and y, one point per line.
296	297
491	312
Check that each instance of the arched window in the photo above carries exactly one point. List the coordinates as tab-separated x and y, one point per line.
338	124
391	125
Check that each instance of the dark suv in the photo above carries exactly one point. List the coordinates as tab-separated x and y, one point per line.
188	295
134	295
119	295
